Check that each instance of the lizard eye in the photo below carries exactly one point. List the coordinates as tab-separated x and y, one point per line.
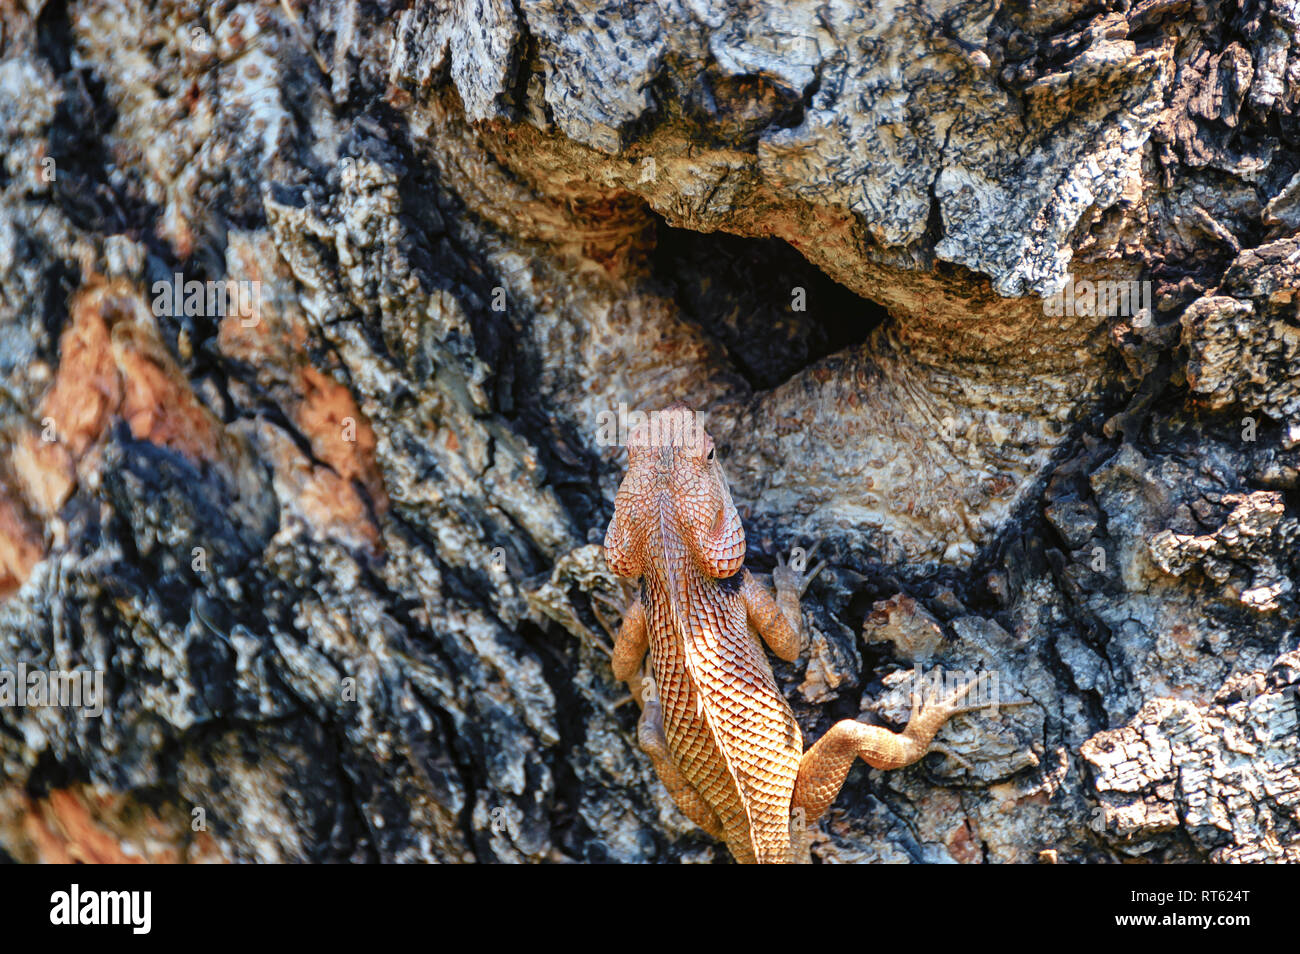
709	455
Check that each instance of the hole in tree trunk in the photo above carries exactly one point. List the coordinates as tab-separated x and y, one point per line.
771	310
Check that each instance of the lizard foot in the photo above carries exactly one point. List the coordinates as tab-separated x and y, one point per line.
619	608
790	577
929	715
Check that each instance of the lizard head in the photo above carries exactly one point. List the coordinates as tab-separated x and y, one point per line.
674	500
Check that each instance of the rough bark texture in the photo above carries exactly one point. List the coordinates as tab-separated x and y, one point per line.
476	226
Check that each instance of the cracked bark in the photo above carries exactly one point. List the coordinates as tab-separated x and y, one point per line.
475	227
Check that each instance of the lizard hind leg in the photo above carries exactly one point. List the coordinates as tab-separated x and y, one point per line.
650	736
825	766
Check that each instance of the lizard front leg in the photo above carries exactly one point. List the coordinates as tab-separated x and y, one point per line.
779	621
825	766
630	647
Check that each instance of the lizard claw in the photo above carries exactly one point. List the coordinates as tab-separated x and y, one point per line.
808	577
598	598
792	577
931	710
944	750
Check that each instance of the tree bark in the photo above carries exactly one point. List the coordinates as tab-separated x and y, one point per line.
996	301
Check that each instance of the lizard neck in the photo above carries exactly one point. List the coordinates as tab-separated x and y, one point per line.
671	559
678	578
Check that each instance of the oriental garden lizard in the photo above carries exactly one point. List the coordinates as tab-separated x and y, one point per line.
720	735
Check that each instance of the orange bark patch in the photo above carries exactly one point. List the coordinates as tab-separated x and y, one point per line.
80	825
86	389
64	832
328	504
273	333
242	341
158	403
322	409
962	846
339	434
45	473
327	501
325	496
21	546
111	361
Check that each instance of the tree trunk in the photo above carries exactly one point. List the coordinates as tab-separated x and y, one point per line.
317	321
